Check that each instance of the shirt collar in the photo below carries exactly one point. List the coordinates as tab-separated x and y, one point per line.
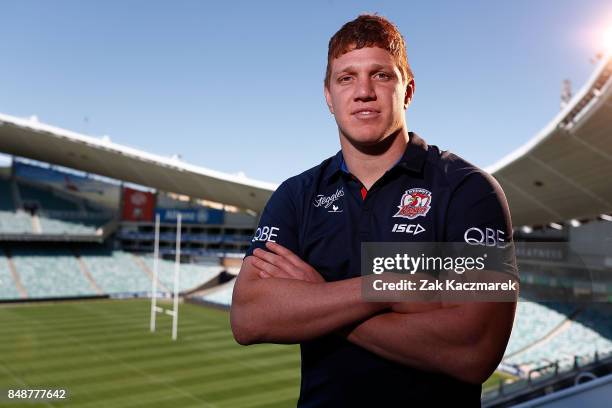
412	160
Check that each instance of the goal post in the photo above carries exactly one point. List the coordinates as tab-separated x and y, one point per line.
154	283
177	272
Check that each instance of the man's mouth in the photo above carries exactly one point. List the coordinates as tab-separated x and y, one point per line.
366	113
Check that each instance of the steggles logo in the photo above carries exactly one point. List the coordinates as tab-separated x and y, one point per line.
327	201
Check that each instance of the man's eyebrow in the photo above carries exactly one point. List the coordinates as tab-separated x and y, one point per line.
373	67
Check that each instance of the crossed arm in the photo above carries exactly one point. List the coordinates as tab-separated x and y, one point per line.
279	298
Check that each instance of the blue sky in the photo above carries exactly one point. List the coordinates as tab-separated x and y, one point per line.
237	86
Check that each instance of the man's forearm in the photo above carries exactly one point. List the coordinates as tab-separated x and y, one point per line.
454	340
291	311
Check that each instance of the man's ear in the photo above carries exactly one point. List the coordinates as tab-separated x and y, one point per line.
328	99
409	93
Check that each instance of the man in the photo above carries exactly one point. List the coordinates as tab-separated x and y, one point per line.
300	281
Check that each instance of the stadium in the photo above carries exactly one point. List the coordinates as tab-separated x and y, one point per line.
91	231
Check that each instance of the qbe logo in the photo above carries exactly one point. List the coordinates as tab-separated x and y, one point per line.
485	237
265	233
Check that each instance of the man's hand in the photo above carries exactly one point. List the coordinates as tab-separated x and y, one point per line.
282	263
300	307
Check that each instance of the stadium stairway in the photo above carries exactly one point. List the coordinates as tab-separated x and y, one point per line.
47	273
10	283
22	290
115	272
36	226
141	264
86	273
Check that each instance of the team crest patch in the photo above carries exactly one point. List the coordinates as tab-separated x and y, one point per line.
415	202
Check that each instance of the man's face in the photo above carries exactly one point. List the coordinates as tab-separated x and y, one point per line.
367	95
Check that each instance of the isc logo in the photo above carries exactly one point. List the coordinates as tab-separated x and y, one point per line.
413	229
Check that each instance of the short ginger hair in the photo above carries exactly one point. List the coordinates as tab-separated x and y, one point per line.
369	30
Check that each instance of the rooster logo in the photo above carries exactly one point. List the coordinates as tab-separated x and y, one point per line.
415	202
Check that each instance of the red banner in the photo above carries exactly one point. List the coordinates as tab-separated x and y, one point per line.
138	205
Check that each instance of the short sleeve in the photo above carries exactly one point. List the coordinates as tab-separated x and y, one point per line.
278	221
479	221
478	212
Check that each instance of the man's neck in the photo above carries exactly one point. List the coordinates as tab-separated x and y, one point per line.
370	163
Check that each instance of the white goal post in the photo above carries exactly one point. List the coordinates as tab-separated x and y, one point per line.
177	271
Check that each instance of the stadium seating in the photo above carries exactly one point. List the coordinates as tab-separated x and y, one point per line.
115	271
56	226
8	290
12	222
191	276
47	273
72	220
221	296
574	338
46	199
50	273
532	322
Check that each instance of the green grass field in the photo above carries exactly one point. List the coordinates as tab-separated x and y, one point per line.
104	355
494	380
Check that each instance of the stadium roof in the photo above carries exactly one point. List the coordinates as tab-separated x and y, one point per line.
563	173
34	140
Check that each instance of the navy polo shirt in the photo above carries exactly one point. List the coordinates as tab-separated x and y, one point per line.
324	214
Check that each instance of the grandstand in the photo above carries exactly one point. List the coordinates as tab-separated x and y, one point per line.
45	273
15	223
548	333
115	272
221	296
533	322
64	279
37	210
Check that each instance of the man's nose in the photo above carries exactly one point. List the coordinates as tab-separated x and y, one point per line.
364	90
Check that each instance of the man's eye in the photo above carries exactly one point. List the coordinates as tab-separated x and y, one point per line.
344	79
382	75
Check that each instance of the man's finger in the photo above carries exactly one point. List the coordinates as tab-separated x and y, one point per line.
267	267
285	253
268	256
278	248
298	267
277	260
